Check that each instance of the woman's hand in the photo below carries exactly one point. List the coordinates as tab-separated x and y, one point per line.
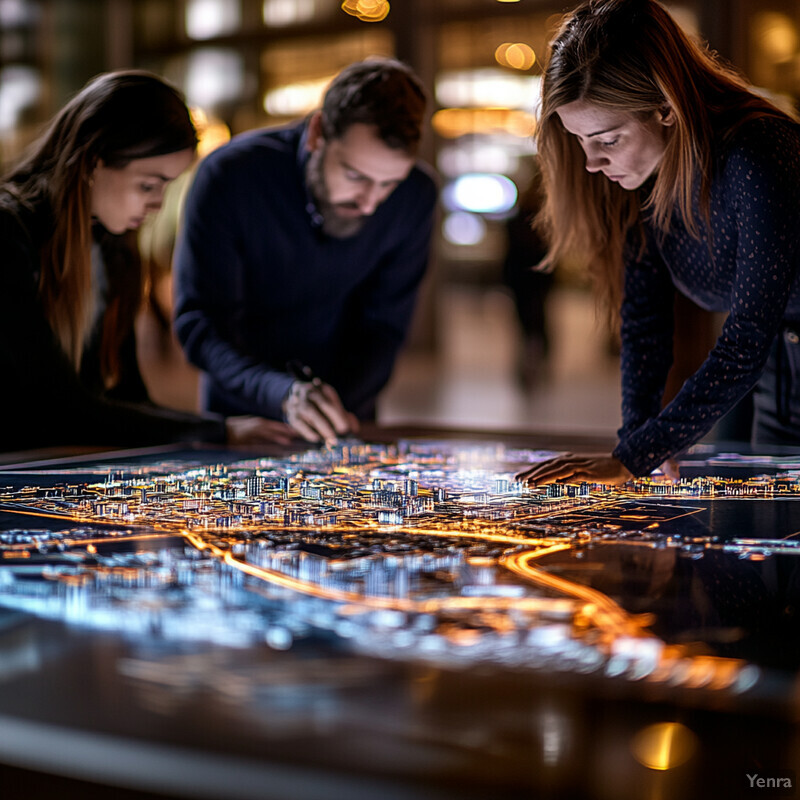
671	469
257	430
577	468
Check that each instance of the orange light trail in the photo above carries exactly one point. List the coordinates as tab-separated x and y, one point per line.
530	604
607	614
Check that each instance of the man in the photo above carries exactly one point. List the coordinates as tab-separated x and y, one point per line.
301	254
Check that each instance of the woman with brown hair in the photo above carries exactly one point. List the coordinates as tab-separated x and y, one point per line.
665	171
72	277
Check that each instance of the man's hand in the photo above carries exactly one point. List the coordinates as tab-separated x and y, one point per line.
257	430
314	410
577	468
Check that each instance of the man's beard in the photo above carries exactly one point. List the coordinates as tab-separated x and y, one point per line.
333	223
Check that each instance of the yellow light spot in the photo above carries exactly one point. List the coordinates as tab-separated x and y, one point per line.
454	122
211	132
776	36
521	124
500	53
520	56
367	10
664	746
464	637
516	55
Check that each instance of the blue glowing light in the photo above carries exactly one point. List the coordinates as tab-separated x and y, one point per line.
483	193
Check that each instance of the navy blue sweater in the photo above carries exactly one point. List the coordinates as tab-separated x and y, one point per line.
746	265
257	282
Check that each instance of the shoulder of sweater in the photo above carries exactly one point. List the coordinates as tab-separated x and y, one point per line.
264	145
420	187
22	235
14	215
24	225
425	174
763	134
768	148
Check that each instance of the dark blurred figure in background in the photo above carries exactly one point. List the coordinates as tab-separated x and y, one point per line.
529	286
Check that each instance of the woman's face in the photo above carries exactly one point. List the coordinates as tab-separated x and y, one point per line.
122	198
625	148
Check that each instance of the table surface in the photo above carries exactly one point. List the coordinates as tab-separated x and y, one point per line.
190	686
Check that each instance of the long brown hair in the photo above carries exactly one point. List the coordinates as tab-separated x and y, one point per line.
631	56
117	117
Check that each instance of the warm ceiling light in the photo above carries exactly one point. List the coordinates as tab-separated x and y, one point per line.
367	10
776	36
516	55
454	122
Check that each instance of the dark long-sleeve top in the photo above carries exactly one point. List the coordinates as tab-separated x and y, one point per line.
746	264
44	402
258	283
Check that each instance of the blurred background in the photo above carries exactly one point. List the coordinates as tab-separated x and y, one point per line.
493	345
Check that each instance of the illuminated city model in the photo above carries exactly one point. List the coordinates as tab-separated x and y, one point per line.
419	550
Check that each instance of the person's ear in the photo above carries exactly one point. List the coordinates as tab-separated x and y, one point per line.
90	174
315	138
666	115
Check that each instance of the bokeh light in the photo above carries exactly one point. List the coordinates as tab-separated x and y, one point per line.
481	193
487	87
454	122
214	76
455	159
367	10
20	88
212	133
516	55
296	99
463	228
776	35
280	13
664	745
206	19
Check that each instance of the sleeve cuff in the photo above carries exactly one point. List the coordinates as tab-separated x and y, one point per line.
636	460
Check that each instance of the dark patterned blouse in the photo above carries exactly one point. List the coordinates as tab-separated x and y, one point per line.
745	263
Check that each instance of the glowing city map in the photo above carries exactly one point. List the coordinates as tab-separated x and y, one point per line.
425	551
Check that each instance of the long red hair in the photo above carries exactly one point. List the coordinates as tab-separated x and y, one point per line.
631	56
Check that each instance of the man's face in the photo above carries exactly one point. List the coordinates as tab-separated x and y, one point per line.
352	175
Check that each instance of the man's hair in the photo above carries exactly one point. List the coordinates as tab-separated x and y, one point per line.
381	92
